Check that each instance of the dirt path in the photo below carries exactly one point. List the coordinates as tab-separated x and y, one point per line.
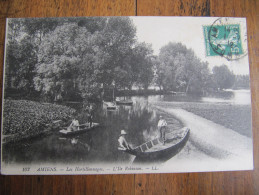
211	146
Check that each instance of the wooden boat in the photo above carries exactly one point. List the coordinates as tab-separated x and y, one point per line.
124	102
81	129
110	105
156	150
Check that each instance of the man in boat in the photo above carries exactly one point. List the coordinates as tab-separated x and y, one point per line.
74	125
89	111
162	124
123	144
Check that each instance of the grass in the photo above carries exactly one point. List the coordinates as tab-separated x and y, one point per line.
235	117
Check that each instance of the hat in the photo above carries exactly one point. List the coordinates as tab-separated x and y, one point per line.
123	132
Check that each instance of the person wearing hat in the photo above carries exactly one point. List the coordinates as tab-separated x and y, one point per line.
123	144
162	124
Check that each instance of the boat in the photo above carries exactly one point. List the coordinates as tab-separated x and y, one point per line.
110	105
124	102
156	150
81	129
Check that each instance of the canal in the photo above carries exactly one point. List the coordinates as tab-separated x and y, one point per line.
100	145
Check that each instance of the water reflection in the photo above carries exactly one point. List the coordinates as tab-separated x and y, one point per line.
239	97
101	144
98	145
242	97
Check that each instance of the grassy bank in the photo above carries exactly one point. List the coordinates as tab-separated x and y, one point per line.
24	118
235	117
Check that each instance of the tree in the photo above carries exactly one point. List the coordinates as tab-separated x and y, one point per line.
76	57
20	60
142	65
36	28
60	61
117	40
207	83
24	37
223	77
86	58
169	58
241	82
179	69
12	52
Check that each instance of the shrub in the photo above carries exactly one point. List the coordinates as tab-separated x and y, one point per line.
20	116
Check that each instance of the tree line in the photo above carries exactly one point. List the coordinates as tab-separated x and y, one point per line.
82	58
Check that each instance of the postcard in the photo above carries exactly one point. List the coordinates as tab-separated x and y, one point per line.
123	95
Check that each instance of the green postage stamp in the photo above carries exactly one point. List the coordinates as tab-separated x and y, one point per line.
224	39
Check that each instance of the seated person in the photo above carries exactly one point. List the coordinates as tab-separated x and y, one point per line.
74	125
123	144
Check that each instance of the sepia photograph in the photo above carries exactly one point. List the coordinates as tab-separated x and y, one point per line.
122	95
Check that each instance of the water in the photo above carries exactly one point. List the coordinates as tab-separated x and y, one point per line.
101	144
238	97
98	145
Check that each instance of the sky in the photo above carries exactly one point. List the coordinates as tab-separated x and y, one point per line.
159	31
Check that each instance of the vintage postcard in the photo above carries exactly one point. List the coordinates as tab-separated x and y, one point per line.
120	95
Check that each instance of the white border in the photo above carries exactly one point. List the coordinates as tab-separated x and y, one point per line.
3	89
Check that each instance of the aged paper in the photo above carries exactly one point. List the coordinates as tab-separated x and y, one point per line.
120	95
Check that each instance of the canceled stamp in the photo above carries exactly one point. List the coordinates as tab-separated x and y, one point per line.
225	38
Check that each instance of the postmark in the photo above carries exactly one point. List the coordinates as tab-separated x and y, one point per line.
227	38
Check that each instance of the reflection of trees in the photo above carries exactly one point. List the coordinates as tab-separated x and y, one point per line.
138	120
141	123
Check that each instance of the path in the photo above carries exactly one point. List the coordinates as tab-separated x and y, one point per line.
211	146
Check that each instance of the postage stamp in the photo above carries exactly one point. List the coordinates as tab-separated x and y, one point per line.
224	38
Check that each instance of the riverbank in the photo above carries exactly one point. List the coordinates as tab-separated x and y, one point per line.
23	119
213	147
235	117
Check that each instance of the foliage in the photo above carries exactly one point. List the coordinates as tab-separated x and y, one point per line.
89	57
26	116
85	58
180	70
24	36
242	82
75	59
223	77
142	65
58	60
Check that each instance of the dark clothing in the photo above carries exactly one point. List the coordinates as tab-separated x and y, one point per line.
89	112
162	133
90	119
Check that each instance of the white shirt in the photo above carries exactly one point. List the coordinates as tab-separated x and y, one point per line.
75	123
123	143
162	123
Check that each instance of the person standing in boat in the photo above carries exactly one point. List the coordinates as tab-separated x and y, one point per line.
90	115
123	144
162	124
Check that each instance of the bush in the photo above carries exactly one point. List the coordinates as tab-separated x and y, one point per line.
22	116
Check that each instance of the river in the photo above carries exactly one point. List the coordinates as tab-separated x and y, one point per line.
100	145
